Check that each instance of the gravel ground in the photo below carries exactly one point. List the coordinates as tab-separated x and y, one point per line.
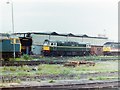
60	77
58	82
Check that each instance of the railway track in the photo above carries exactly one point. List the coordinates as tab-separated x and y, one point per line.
37	62
31	63
99	85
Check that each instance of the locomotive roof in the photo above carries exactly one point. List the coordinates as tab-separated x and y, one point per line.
112	43
61	41
6	38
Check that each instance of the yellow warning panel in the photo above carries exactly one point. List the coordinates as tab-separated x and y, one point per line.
106	48
46	48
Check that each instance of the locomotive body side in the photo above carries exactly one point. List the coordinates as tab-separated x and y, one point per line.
7	48
59	48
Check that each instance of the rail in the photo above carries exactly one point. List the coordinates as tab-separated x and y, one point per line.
104	85
52	61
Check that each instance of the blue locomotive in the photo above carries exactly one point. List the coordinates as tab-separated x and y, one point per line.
8	46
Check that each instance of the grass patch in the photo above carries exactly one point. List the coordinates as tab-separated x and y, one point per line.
47	69
53	69
106	66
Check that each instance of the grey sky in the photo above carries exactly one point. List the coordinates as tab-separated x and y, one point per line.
91	17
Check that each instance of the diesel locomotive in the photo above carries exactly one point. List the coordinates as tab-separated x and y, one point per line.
65	48
111	48
8	46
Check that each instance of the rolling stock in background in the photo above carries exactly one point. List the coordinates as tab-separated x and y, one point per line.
111	48
54	44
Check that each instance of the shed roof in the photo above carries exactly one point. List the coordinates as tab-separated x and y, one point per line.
60	34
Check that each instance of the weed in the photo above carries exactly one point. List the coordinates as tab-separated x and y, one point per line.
12	69
90	78
66	72
26	57
5	68
39	67
105	78
51	81
1	85
18	81
25	68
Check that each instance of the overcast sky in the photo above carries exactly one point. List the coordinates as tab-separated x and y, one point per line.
91	17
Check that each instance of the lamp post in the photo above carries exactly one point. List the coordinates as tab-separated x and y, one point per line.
12	16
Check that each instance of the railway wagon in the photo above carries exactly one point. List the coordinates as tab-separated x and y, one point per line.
111	48
65	48
8	46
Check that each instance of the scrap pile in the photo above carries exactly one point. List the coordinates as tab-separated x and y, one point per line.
78	63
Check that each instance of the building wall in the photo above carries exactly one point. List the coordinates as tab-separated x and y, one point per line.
36	49
96	50
95	41
76	39
61	38
39	39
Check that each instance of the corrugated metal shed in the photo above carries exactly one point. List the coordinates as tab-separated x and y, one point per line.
38	38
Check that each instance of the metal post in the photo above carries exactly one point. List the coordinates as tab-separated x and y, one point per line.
82	38
67	38
49	37
12	25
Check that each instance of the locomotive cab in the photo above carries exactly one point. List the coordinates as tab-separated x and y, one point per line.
46	50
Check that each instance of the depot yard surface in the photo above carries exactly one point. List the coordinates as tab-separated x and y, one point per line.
103	70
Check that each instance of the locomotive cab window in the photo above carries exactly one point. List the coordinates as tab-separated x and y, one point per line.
12	41
17	41
46	43
53	44
82	45
87	45
107	45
